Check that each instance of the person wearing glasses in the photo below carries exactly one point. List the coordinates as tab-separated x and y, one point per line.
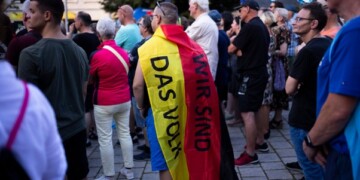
204	31
171	72
338	93
301	83
146	32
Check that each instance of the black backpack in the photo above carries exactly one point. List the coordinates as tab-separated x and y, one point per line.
10	168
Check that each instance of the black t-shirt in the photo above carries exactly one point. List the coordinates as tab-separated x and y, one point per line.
303	111
253	40
88	41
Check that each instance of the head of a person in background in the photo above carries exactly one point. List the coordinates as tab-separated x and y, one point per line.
105	29
145	26
236	25
125	14
311	18
216	17
275	4
184	22
164	13
226	20
268	18
281	15
248	9
45	13
25	10
292	10
82	20
198	7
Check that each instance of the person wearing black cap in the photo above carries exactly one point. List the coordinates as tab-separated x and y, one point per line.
251	46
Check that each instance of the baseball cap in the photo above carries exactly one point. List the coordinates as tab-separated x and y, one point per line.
251	3
215	15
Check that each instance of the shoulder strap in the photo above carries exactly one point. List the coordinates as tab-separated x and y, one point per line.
19	119
118	56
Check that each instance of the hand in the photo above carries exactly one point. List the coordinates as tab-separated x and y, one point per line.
320	157
309	152
72	27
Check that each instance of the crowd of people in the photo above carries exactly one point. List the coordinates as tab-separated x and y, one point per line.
179	85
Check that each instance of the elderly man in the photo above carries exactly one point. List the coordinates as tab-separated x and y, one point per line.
338	93
186	137
204	32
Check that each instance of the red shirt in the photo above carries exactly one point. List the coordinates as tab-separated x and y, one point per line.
109	75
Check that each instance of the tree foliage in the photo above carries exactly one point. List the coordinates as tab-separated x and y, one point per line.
183	5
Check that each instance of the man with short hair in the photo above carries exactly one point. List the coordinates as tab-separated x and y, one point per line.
187	138
301	82
251	47
89	42
129	33
21	42
332	26
204	32
338	94
59	68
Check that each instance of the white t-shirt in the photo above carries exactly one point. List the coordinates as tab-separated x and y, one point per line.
37	145
205	32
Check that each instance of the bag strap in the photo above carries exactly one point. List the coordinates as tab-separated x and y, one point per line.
19	119
118	56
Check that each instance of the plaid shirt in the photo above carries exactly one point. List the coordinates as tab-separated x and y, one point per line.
293	41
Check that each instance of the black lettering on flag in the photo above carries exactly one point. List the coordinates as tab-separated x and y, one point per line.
164	80
167	95
204	129
202	144
203	111
157	66
199	60
177	149
168	116
204	91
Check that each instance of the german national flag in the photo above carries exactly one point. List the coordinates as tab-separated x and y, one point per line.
192	136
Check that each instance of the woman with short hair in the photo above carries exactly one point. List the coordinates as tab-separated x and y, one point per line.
109	68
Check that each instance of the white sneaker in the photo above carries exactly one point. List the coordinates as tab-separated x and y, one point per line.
127	173
104	178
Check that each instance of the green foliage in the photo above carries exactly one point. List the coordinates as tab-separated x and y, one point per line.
183	5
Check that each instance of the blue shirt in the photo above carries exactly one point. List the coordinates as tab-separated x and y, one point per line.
128	36
339	72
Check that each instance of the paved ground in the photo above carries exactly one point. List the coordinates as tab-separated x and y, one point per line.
271	166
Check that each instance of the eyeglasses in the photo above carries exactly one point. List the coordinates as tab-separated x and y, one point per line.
158	5
271	6
298	19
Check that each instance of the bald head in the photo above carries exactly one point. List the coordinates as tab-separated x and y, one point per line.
127	10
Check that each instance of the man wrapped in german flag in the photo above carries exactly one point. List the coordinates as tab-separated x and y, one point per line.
174	88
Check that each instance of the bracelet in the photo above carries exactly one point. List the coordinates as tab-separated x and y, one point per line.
139	108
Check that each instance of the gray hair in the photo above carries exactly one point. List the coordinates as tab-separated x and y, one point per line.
268	18
282	12
203	4
26	6
106	28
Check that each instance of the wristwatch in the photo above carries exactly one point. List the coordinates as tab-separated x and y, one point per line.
308	142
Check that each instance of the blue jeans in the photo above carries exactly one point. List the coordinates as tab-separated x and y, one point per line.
311	170
139	120
338	166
